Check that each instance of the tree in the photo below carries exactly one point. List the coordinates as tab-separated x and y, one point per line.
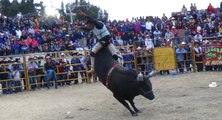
25	7
91	10
5	5
62	10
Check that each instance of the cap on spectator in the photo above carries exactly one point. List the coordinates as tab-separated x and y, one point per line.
17	59
191	17
138	48
74	53
35	57
6	59
173	18
48	56
173	27
62	54
183	43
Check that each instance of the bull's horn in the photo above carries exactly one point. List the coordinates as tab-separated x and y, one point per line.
151	73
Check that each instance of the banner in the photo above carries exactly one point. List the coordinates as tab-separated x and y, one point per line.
213	56
164	58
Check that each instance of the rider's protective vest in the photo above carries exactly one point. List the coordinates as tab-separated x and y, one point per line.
100	33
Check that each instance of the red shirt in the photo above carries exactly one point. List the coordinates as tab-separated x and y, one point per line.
35	43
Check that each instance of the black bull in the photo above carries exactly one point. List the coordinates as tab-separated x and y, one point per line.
121	81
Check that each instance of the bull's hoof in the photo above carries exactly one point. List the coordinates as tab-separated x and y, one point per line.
134	114
139	111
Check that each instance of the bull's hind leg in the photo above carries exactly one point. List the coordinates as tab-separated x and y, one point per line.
121	100
134	107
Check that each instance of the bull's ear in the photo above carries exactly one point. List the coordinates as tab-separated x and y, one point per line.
139	77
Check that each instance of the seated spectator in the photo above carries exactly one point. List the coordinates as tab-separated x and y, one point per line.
50	70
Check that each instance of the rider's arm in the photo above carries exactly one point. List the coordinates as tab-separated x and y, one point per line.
97	24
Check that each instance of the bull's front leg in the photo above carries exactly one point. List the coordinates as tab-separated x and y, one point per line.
134	107
122	100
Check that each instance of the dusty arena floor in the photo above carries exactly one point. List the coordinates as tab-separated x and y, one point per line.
180	97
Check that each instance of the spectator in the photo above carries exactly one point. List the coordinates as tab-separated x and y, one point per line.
50	70
180	53
211	9
198	38
149	43
31	66
157	38
184	10
127	58
75	61
149	25
198	56
169	37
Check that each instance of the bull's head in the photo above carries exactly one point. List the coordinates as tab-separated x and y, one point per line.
146	86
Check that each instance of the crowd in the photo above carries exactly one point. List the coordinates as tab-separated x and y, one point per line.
28	34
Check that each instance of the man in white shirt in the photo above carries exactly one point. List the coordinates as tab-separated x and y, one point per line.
149	25
149	43
18	32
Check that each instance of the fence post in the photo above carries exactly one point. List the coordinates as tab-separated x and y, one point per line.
134	56
26	73
193	56
87	74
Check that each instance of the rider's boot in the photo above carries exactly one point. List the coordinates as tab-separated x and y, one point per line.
92	70
113	51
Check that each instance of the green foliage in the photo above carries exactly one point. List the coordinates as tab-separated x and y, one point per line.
25	7
89	9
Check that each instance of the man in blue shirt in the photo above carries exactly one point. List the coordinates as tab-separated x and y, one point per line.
180	55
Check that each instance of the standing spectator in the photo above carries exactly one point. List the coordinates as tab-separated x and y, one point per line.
31	66
198	56
180	52
184	10
175	33
18	32
75	61
198	38
157	38
211	9
83	66
127	58
169	37
149	43
137	27
149	25
50	70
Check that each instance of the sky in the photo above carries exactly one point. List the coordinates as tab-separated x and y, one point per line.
122	9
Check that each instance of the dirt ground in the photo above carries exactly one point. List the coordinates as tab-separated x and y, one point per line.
178	97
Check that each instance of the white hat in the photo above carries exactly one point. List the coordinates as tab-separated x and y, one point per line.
48	56
183	43
213	84
139	48
62	54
